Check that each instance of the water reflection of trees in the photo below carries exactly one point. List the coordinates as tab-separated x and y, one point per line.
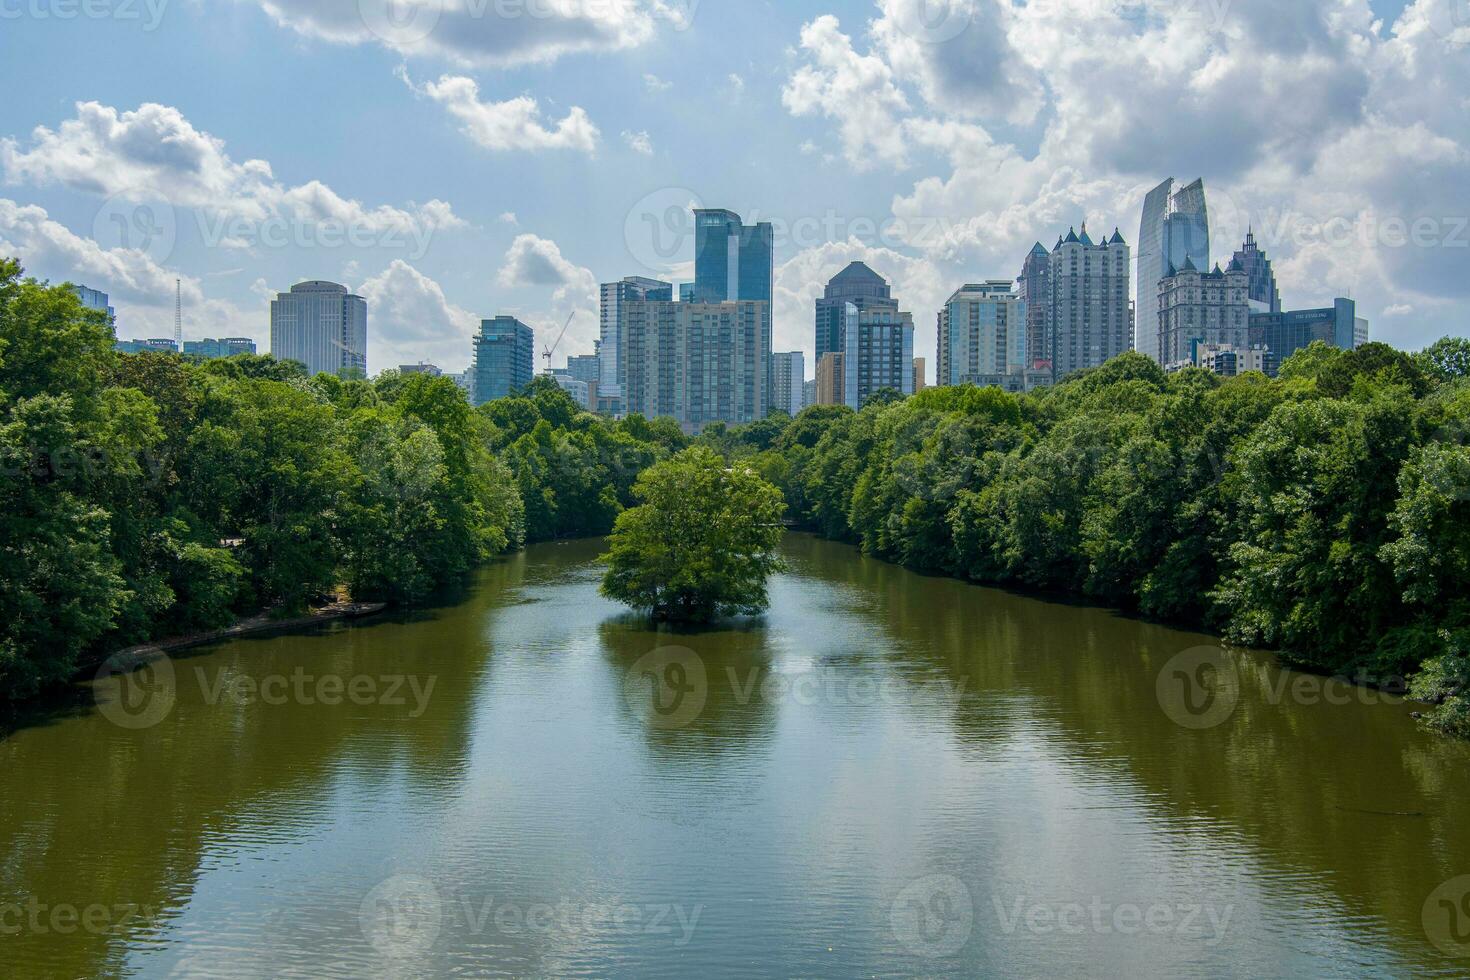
97	815
1312	786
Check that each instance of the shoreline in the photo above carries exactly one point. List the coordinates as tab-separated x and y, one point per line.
131	658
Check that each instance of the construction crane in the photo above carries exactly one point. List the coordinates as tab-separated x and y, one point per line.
552	349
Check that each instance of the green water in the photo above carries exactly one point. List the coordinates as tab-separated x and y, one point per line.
887	775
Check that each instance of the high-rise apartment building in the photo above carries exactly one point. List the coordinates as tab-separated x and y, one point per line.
505	358
983	336
919	371
1175	229
878	353
321	325
1090	319
1262	293
859	285
788	375
1200	308
615	297
1034	286
585	367
697	362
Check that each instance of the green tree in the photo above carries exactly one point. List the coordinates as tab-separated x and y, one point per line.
701	544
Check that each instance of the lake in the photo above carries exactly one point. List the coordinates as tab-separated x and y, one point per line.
886	775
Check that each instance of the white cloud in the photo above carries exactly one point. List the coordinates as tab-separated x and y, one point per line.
47	248
410	320
638	142
533	263
1103	100
858	92
509	218
655	84
477	33
515	124
139	288
154	154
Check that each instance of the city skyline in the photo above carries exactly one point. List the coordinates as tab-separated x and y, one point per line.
528	166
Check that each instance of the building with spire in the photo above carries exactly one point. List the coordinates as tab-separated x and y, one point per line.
1196	309
1175	228
1090	316
1263	295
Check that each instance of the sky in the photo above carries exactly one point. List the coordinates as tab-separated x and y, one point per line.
452	160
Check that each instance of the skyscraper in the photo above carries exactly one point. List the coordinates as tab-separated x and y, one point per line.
735	262
1090	319
732	260
1263	295
1034	285
1200	308
505	357
322	326
95	299
878	353
615	297
983	337
697	362
859	285
1175	227
788	374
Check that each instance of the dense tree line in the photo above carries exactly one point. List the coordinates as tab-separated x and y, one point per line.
1325	513
147	495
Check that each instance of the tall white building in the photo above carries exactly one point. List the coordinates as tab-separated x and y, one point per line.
788	376
321	325
1091	316
983	336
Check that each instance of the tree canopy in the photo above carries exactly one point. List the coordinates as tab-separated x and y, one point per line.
701	544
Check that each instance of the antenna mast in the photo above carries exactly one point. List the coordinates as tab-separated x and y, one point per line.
178	315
